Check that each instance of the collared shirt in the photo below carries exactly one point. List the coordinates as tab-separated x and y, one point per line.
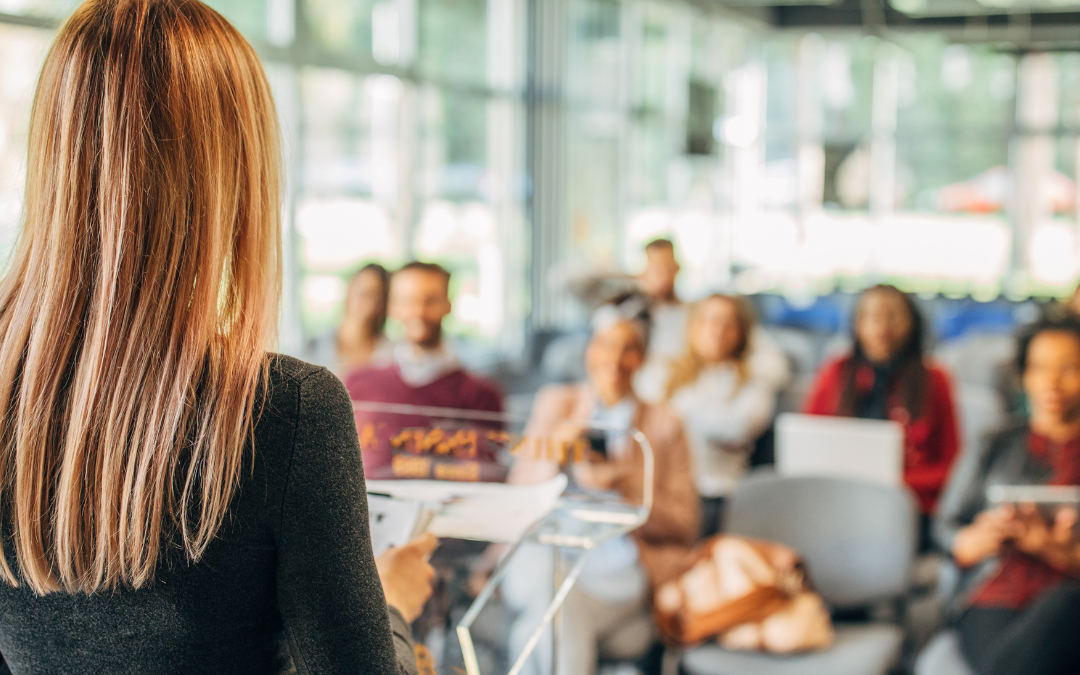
323	351
420	367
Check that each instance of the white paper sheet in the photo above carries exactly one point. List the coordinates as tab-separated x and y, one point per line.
393	521
481	511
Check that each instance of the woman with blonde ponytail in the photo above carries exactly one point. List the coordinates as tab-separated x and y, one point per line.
724	407
173	498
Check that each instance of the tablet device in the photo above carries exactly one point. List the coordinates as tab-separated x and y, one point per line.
1048	498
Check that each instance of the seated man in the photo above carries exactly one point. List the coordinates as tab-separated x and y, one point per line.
668	314
424	370
607	612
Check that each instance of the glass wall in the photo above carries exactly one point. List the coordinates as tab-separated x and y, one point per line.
410	144
22	49
404	136
778	161
844	159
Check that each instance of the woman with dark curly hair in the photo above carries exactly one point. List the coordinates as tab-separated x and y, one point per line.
1019	600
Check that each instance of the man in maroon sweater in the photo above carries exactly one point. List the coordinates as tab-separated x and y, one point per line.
424	370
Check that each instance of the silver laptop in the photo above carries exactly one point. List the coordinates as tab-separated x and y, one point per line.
842	447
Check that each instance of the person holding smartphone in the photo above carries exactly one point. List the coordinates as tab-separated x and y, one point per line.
607	612
1018	609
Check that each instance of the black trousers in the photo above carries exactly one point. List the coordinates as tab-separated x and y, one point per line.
1043	639
712	516
926	534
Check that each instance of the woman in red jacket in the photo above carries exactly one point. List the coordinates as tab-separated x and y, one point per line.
887	377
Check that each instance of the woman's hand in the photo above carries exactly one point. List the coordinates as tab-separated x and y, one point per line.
985	536
1034	534
406	575
1055	543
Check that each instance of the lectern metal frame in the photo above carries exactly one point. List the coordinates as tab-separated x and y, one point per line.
600	522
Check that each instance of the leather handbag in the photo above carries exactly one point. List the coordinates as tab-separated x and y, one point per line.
733	585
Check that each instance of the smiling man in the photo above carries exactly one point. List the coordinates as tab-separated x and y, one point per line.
424	370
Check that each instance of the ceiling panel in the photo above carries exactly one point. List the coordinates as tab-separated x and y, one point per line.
926	8
740	4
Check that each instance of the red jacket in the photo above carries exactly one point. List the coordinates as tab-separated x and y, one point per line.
931	442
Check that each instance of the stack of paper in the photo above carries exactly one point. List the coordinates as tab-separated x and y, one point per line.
395	522
480	511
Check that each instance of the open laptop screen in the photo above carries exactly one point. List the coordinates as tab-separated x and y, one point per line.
814	445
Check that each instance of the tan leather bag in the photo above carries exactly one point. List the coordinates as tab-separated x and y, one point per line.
752	594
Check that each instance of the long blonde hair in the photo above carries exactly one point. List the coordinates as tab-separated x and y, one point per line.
142	296
686	368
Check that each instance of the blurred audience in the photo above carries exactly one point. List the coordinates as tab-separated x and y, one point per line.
607	612
360	339
667	313
722	405
1073	302
1019	593
669	317
887	376
424	369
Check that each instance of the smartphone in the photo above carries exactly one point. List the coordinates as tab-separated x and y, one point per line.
597	441
1048	498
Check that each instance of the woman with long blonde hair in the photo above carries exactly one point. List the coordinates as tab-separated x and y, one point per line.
722	405
172	497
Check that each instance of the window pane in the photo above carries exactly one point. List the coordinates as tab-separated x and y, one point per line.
458	223
44	8
846	81
453	144
595	60
347	210
259	20
594	174
21	53
954	119
470	218
343	26
453	40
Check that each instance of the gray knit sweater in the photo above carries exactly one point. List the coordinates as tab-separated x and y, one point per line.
293	560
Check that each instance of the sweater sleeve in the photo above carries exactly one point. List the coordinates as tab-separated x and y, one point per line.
963	496
736	420
944	443
331	600
822	397
676	509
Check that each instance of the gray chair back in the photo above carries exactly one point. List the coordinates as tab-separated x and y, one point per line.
858	539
